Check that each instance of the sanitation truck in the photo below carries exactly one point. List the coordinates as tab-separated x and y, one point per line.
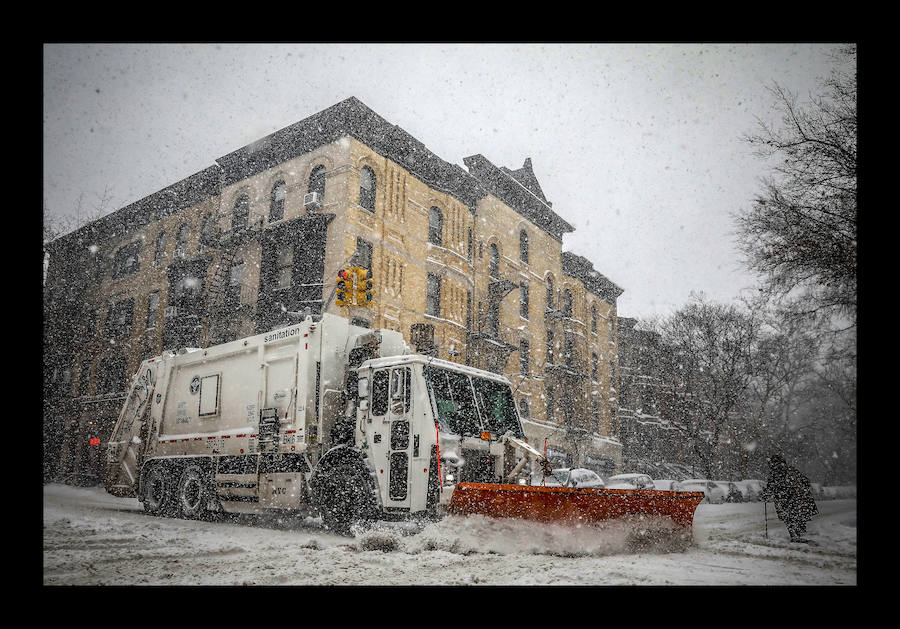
344	423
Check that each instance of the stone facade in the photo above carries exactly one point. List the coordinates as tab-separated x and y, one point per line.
467	265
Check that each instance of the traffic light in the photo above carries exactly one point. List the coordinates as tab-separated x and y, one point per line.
344	294
364	287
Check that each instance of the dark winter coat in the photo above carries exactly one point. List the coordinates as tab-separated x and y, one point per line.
791	492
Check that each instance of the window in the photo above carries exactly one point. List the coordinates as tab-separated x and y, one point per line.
551	404
523	246
524	358
186	293
112	376
160	253
433	298
494	261
550	347
181	242
276	204
84	378
523	408
550	293
240	215
152	309
363	254
595	362
235	279
317	181
435	226
127	259
207	228
209	395
523	300
593	318
469	245
119	318
571	356
367	188
380	393
566	303
284	266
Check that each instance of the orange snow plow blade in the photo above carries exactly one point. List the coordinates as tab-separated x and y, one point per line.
571	504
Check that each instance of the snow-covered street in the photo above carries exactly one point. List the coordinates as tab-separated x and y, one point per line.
92	538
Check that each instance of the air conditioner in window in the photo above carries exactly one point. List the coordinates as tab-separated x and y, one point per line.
171	311
312	201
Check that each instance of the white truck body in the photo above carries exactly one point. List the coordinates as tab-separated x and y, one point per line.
245	426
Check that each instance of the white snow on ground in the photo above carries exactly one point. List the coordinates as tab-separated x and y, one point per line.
92	538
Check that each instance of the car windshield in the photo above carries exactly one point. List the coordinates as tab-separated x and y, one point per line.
556	477
468	406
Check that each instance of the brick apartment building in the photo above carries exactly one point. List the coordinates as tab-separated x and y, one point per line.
467	264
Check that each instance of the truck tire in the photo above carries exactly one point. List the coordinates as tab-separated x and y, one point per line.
159	491
344	498
193	493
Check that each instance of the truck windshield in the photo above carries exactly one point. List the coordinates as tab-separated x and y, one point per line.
455	395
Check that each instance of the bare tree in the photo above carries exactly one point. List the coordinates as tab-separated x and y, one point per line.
801	233
784	366
710	367
55	224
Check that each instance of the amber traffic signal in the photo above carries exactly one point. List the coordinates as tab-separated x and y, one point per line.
364	287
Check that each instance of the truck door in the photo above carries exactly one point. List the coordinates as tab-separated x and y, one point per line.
399	440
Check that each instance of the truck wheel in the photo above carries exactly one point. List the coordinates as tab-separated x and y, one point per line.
193	493
344	498
158	491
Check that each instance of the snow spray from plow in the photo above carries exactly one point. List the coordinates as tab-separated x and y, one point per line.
573	505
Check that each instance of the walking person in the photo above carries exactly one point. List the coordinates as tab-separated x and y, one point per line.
791	492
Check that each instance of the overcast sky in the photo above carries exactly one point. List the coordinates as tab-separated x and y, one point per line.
639	146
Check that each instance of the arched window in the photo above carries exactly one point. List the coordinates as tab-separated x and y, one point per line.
160	254
550	293
317	181
494	261
435	226
593	318
367	188
276	204
206	230
523	246
240	215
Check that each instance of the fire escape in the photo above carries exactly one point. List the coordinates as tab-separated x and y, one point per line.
566	381
491	351
221	301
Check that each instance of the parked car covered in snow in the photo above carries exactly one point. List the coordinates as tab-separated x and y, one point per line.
731	490
713	493
566	477
666	484
630	481
752	489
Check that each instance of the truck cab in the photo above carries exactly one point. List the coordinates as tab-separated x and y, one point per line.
427	424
